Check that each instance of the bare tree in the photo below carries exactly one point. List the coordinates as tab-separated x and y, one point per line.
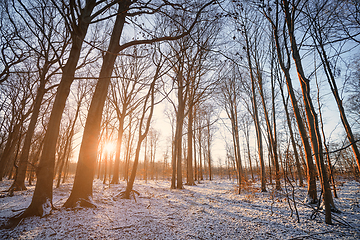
230	89
77	19
48	55
322	34
283	54
290	11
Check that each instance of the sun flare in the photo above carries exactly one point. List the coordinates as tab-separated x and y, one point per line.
110	147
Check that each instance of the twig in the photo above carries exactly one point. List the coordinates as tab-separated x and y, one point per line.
108	217
122	227
338	150
17	225
316	210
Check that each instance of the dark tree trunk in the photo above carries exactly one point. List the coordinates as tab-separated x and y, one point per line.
82	188
19	183
190	178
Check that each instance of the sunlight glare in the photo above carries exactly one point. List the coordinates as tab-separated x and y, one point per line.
110	147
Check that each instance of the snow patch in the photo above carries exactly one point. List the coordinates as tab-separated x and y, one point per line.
46	207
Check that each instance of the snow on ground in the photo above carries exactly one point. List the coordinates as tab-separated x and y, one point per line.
209	210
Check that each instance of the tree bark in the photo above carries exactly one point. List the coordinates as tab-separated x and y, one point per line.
311	178
82	188
311	115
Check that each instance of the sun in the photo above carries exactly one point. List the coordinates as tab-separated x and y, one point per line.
110	147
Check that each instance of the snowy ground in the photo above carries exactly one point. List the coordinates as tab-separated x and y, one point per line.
210	210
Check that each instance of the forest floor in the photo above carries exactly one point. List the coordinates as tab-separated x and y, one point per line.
209	210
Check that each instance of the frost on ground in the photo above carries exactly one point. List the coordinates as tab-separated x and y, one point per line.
209	210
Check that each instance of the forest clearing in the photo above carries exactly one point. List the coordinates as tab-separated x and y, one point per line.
209	210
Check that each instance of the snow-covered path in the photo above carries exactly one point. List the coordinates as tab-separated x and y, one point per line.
210	210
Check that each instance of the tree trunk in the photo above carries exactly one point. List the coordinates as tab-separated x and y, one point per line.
312	194
292	139
273	150
190	178
41	203
145	161
19	183
256	117
201	177
130	184
334	90
209	150
311	115
179	130
9	149
116	178
82	188
67	149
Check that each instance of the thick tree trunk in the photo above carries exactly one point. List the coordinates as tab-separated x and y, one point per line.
41	203
82	188
179	130
178	146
